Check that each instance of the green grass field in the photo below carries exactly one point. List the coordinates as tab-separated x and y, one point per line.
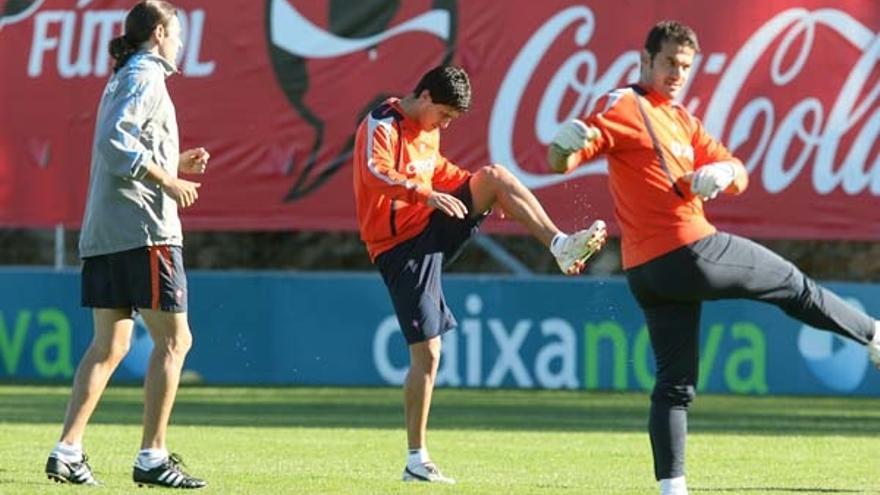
350	441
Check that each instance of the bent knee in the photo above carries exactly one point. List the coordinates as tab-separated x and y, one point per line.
495	173
178	345
111	353
425	355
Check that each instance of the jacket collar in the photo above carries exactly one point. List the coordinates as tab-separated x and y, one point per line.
167	67
652	96
408	124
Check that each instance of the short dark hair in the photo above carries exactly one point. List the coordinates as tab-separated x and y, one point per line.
673	31
447	85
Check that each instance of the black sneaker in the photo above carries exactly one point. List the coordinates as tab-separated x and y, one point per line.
78	473
169	474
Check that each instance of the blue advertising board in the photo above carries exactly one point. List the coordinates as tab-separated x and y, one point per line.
339	329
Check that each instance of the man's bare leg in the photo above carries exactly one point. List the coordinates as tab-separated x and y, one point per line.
110	344
172	340
495	185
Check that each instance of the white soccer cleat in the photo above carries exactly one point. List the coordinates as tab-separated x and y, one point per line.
426	472
578	247
874	348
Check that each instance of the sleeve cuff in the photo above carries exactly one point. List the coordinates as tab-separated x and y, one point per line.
420	194
139	167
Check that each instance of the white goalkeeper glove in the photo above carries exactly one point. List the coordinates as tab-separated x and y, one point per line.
573	135
709	180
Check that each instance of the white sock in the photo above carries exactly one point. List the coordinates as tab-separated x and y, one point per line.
417	457
557	242
68	452
151	458
673	486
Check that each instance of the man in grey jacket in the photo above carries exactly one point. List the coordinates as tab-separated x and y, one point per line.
131	245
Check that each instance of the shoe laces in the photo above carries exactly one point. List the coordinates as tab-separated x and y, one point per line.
175	462
85	462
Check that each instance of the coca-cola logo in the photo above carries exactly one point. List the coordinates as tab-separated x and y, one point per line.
836	136
302	35
776	104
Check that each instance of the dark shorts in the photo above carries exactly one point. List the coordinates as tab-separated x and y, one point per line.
412	272
142	278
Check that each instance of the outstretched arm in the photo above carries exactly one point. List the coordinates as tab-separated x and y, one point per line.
581	140
572	137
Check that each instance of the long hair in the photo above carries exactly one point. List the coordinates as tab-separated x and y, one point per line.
140	23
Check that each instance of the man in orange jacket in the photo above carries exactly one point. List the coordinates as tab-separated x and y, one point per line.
663	166
416	209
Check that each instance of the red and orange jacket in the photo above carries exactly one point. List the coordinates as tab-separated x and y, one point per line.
654	207
396	167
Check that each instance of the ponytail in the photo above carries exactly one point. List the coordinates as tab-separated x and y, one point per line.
121	49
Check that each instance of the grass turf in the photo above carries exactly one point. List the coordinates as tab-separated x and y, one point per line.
351	441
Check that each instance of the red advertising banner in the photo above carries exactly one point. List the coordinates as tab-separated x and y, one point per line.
275	88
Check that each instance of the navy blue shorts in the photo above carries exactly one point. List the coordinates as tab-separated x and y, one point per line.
412	272
142	278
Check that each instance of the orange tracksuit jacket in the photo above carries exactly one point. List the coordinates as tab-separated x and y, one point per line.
655	209
396	166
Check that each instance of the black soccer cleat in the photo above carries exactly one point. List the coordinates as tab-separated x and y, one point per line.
77	473
169	474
